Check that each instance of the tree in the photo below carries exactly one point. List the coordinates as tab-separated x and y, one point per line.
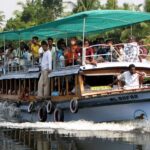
126	6
54	8
35	12
84	5
111	4
1	18
147	6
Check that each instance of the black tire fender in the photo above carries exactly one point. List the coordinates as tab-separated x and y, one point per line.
30	107
58	115
42	114
74	105
50	107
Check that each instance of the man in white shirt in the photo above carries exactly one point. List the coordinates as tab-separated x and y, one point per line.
46	67
131	78
53	50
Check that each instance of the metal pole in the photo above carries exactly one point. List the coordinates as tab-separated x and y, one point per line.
83	49
131	31
19	52
4	59
4	43
66	41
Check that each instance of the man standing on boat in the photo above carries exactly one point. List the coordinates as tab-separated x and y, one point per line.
131	78
46	67
34	46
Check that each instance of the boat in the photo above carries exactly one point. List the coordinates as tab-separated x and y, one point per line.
77	92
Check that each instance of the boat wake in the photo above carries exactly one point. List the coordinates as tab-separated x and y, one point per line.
82	126
79	128
8	112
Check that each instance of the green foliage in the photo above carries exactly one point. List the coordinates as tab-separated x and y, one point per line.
35	12
147	6
1	18
84	5
111	4
53	7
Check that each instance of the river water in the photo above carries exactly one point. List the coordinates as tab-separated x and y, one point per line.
79	135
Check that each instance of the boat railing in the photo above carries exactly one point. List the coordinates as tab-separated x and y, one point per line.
99	58
112	55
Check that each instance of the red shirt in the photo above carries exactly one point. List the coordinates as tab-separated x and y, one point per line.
143	52
89	52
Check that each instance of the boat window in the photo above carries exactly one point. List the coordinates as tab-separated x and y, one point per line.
61	86
94	83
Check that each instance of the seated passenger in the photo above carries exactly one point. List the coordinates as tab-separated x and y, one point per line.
143	51
131	78
131	50
89	54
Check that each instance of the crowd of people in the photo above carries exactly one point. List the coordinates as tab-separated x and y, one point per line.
66	53
50	55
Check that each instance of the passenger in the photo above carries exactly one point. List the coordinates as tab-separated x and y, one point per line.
27	56
71	55
89	53
53	50
60	59
74	46
111	54
131	78
100	42
20	53
11	54
46	67
2	55
143	51
131	50
104	51
35	45
120	53
41	51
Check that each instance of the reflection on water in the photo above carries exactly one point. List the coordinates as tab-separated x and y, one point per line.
27	139
78	135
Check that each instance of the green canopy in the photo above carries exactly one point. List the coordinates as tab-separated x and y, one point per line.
95	21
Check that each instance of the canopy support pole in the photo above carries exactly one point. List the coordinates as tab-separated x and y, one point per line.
83	49
131	34
66	41
4	43
4	60
19	52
